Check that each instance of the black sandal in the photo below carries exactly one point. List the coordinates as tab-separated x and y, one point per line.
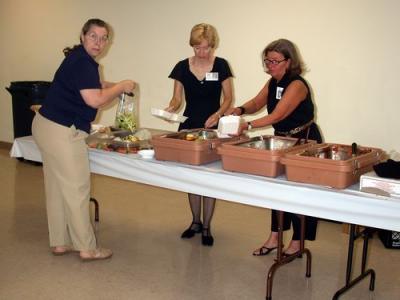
263	251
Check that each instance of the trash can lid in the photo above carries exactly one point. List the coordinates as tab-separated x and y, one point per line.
29	84
36	89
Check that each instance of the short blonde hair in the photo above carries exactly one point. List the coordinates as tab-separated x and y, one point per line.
206	32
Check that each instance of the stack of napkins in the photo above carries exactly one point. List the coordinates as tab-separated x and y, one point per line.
229	125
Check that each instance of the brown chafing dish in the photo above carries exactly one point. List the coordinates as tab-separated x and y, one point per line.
259	155
333	165
194	146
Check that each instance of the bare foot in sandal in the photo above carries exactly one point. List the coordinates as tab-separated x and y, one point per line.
270	244
294	246
61	250
96	254
263	251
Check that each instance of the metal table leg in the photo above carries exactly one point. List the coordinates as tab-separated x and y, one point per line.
96	203
353	235
280	260
96	209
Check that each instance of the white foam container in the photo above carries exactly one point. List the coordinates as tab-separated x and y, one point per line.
229	125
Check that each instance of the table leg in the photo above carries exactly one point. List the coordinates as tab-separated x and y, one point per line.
353	235
280	260
96	209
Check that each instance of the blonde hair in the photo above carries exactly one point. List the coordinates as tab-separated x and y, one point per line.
206	32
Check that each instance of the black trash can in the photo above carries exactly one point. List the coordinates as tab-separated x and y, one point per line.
24	95
390	239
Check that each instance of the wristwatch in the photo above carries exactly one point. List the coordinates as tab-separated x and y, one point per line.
249	127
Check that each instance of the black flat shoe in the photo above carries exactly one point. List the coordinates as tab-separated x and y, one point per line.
206	237
263	251
192	230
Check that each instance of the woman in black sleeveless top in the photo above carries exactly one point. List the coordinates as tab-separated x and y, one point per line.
287	98
205	82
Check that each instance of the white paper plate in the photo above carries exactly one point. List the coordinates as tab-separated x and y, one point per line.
165	115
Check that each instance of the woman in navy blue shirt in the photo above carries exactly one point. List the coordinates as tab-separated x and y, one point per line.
203	78
60	129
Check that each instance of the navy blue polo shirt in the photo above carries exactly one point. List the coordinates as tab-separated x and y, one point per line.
64	103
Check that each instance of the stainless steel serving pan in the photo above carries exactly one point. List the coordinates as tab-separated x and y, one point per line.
268	143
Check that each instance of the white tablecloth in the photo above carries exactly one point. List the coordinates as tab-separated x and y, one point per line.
349	205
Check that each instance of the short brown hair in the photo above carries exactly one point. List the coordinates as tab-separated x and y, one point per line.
289	51
95	22
85	29
206	32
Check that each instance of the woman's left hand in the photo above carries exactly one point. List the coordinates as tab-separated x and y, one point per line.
242	127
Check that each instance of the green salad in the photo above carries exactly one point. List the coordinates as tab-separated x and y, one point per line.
126	121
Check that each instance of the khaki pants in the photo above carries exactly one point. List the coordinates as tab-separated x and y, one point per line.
67	183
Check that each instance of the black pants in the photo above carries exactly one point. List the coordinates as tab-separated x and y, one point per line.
289	218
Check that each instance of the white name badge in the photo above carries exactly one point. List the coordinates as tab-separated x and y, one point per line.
212	76
279	92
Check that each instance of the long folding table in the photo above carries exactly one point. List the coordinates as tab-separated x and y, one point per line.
349	205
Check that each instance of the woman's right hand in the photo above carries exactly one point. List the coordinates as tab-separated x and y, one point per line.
170	109
128	86
232	111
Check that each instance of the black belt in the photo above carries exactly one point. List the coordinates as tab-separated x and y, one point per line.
295	130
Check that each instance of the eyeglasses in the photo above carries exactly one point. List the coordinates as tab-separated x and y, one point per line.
98	39
273	61
198	48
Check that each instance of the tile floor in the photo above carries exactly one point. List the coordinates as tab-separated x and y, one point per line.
142	224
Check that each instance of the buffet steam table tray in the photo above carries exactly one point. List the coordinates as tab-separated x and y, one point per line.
259	155
195	146
333	165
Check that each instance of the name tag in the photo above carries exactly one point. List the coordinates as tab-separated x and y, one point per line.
279	92
212	76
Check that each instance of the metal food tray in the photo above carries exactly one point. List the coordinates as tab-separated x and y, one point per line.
268	143
106	141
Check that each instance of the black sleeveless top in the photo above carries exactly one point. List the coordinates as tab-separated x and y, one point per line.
303	113
202	97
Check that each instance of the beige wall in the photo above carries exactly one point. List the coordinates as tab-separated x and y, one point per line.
351	48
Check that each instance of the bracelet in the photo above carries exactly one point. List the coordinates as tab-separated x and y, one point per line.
242	110
218	115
